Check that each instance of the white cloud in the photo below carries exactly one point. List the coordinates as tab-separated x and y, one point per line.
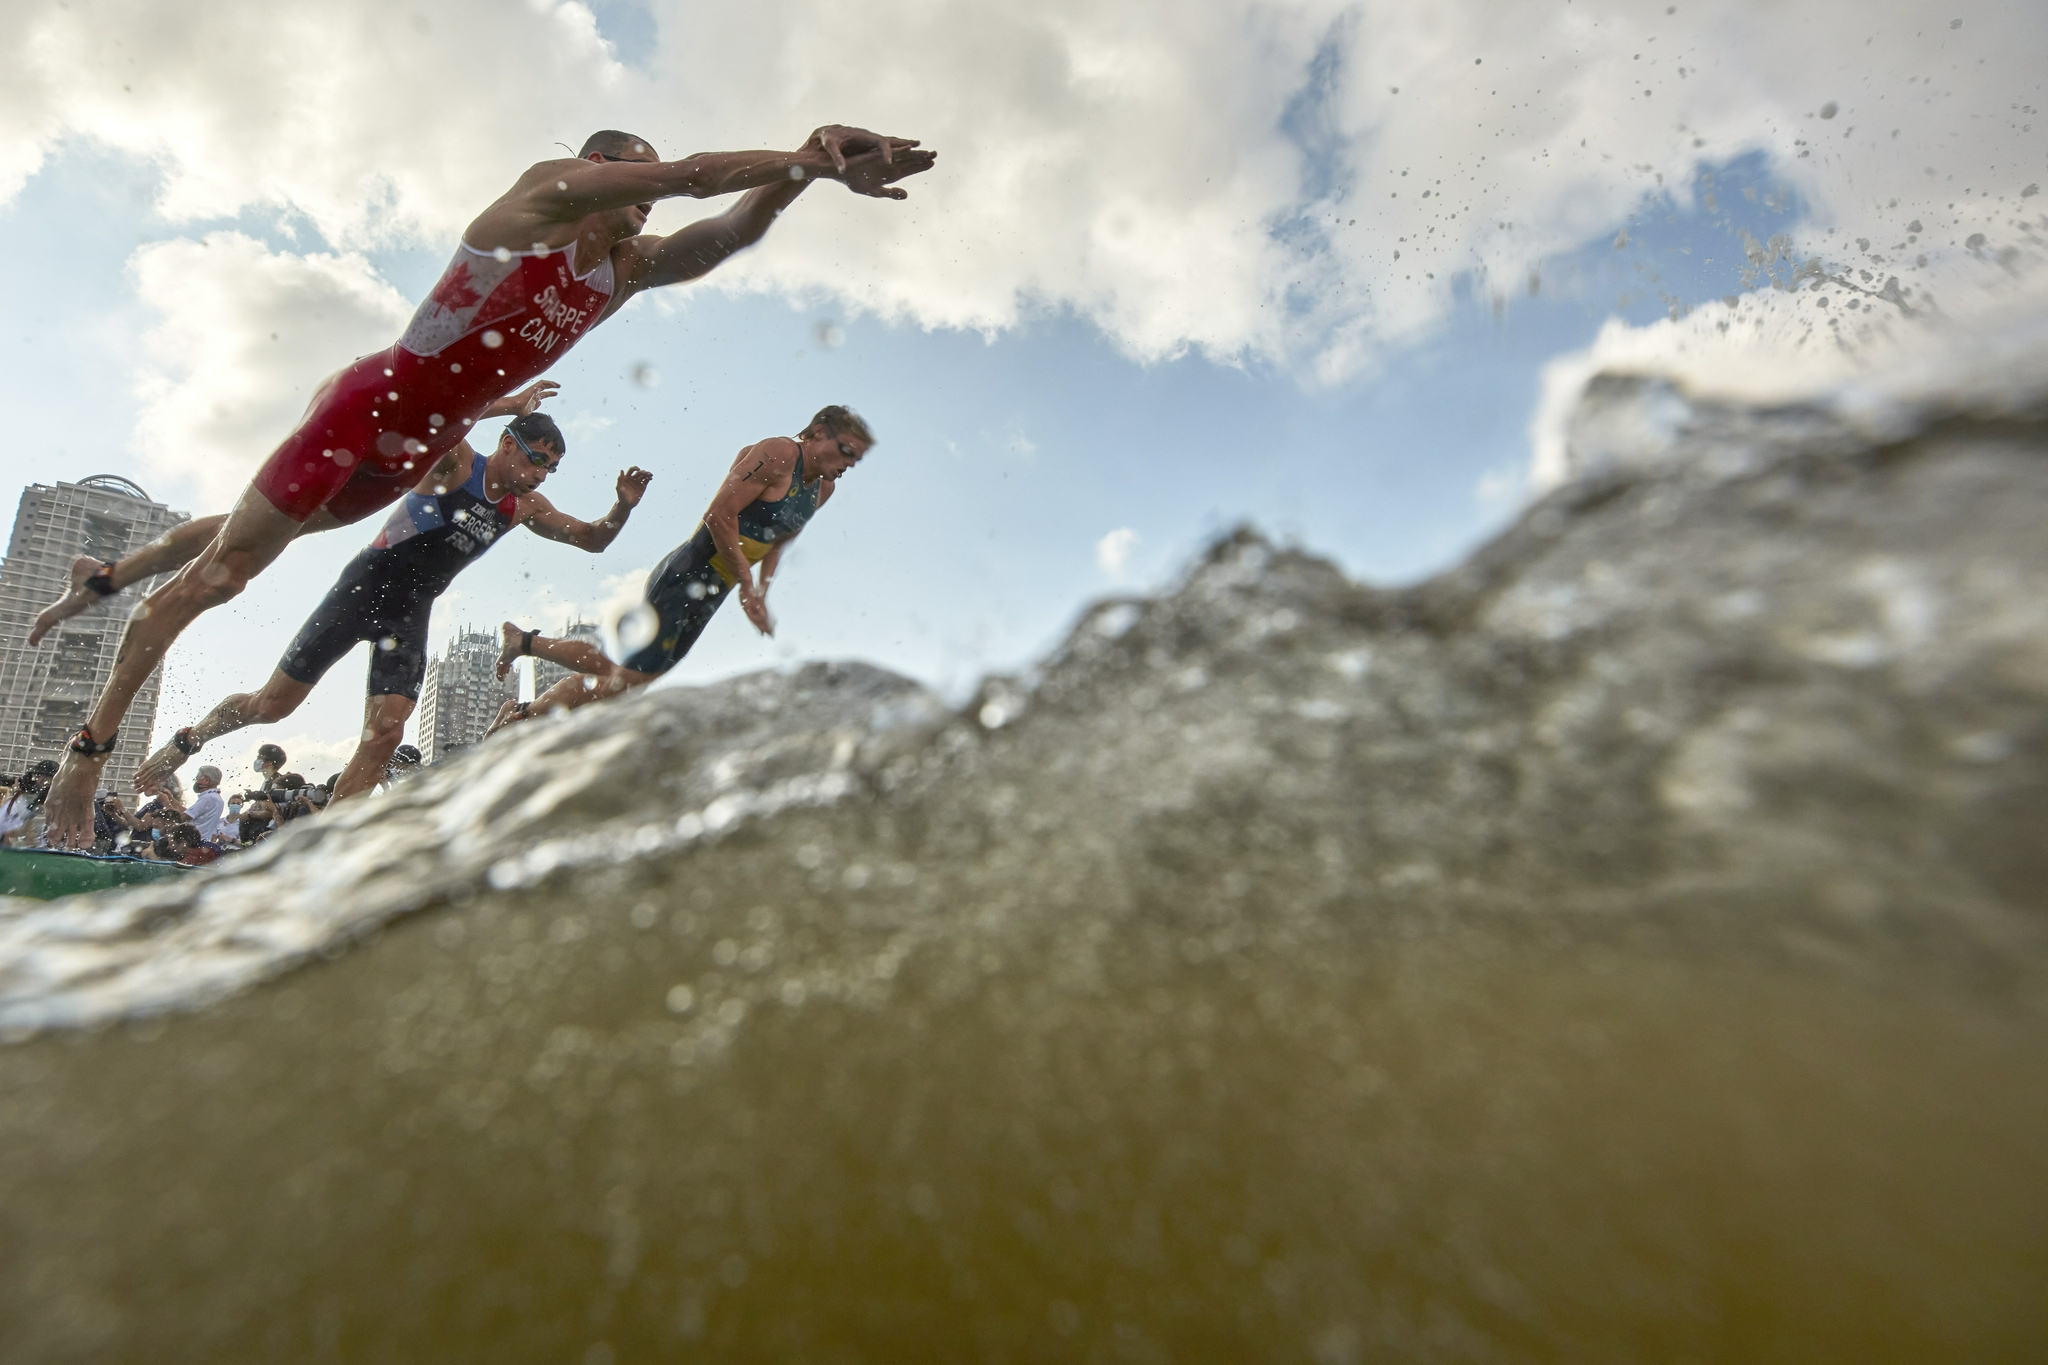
1215	174
584	426
244	336
1113	551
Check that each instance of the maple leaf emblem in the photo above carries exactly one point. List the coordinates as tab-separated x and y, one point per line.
455	293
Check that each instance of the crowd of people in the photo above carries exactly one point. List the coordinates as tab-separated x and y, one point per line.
167	826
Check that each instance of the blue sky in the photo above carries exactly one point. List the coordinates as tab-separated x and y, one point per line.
971	538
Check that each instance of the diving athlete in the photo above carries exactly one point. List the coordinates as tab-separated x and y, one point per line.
560	253
775	487
462	507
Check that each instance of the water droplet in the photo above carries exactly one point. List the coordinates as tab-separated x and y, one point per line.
561	184
680	998
502	254
636	628
493	338
388	643
829	334
1829	110
644	374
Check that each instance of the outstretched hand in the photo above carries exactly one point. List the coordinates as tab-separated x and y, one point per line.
755	605
840	142
874	173
527	400
633	483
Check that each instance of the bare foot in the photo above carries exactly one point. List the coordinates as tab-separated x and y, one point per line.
159	766
515	638
511	713
67	812
71	603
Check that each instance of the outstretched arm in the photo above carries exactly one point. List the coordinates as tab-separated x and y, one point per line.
554	193
551	523
707	243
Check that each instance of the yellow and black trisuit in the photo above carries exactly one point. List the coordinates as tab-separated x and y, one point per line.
688	586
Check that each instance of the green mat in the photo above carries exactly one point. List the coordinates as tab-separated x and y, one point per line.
45	874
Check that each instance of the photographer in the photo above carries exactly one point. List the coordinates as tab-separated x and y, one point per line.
270	761
258	817
405	763
21	816
112	825
290	795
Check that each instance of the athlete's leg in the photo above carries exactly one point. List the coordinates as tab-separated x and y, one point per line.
580	655
277	699
254	534
384	720
571	693
603	678
172	550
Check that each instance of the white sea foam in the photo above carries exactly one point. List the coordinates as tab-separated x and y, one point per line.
543	798
1970	337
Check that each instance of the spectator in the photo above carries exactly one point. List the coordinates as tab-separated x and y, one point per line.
165	807
21	817
405	763
288	794
188	847
230	835
102	831
207	802
111	816
259	817
270	761
14	813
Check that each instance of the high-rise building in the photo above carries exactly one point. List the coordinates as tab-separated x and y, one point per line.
462	695
46	692
546	672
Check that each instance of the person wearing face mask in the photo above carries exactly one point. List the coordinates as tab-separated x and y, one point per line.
459	509
773	490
